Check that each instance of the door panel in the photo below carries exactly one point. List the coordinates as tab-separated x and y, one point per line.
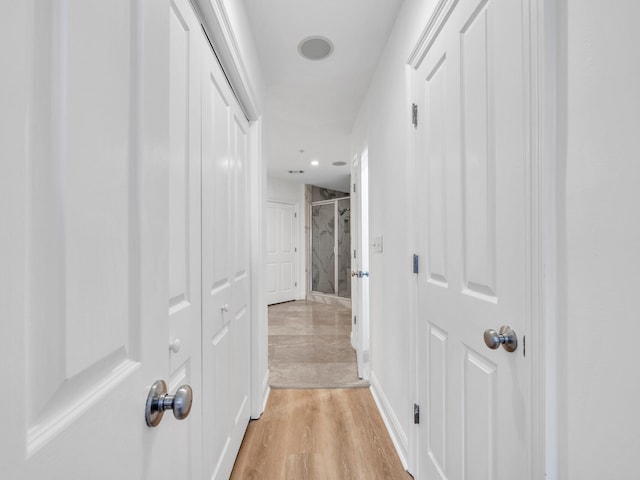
478	156
471	155
94	337
225	274
184	301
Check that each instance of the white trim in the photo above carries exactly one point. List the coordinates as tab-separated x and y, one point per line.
413	249
431	31
391	421
258	320
543	57
216	23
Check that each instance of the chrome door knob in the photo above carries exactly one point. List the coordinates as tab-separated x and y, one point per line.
175	345
158	401
505	337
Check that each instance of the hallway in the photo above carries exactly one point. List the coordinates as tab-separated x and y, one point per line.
309	346
318	434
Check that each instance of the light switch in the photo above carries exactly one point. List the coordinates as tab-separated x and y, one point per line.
377	244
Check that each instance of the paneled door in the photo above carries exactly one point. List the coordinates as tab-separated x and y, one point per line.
472	160
87	256
360	263
186	50
225	272
281	252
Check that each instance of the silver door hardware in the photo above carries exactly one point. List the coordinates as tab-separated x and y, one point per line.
505	337
175	345
225	307
362	274
158	401
416	263
414	114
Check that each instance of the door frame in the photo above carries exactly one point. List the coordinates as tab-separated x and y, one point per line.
336	274
541	147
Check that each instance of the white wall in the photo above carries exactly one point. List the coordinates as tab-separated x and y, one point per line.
383	125
285	191
598	175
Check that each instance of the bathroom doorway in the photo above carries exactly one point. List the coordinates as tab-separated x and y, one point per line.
330	246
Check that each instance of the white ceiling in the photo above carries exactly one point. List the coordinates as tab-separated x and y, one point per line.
312	105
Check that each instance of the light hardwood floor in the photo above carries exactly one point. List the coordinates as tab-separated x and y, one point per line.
318	434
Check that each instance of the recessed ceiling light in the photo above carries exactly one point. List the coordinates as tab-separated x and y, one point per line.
339	164
315	48
315	163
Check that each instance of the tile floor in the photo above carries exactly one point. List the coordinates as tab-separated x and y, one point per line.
310	346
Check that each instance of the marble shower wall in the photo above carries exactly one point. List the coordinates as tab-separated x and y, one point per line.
318	194
344	248
322	248
324	228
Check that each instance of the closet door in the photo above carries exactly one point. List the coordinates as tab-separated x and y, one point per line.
281	252
225	272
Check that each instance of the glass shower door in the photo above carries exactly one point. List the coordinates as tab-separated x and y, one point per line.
323	269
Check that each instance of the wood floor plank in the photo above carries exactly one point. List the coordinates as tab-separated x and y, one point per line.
318	434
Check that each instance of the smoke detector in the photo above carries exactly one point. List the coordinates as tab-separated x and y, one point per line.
315	48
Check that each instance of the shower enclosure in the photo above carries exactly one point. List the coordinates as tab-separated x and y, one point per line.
331	246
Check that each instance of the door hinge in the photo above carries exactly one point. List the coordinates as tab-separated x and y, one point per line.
524	345
354	254
355	319
295	215
416	263
295	249
414	114
416	413
295	284
354	188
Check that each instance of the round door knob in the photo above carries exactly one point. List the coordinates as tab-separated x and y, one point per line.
158	401
175	345
505	337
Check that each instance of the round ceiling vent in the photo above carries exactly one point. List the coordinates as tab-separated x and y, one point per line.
315	48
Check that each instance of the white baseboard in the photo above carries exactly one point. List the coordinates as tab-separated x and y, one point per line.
266	390
390	419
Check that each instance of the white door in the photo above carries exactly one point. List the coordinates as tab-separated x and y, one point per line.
185	292
225	272
89	251
281	252
472	162
360	263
